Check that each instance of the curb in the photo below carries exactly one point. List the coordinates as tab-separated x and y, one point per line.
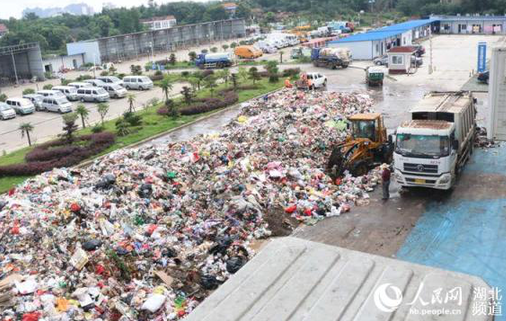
146	140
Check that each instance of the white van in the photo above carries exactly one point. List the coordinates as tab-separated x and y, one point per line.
56	104
78	85
115	90
95	82
110	80
51	93
69	92
137	82
22	106
95	94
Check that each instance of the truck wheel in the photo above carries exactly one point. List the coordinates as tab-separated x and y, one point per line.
360	169
345	66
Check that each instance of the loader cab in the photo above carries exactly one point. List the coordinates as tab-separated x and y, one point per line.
368	126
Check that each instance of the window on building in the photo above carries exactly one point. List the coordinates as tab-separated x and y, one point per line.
397	60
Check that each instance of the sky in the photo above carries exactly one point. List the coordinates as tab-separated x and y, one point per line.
13	8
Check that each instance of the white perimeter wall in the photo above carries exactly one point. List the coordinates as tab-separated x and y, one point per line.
497	95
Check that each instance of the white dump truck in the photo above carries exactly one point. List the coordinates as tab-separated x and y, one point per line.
432	147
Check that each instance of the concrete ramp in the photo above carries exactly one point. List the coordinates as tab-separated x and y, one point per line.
294	279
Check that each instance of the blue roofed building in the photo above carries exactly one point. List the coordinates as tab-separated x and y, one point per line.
376	43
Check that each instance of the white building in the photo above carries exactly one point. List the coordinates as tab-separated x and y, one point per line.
497	93
376	43
158	23
60	63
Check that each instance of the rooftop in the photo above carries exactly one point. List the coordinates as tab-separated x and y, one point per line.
467	18
428	124
368	36
453	102
387	32
164	18
405	49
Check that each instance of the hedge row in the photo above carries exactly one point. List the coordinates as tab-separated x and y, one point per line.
209	104
56	154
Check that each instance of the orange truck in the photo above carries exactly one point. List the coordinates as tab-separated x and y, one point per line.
247	52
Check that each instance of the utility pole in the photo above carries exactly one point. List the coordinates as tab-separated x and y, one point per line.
15	69
431	70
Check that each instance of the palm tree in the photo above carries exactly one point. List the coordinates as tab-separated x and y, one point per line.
103	110
26	129
166	86
83	112
131	101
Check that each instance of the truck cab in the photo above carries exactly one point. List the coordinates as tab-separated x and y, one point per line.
433	147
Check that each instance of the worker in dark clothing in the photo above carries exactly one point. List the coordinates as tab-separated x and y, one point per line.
385	177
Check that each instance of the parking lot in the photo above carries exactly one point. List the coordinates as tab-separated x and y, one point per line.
452	69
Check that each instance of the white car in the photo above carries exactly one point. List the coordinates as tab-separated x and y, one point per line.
56	104
317	80
111	80
95	82
6	112
22	106
115	90
137	82
35	99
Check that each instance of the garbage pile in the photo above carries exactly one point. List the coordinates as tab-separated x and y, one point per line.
481	139
146	234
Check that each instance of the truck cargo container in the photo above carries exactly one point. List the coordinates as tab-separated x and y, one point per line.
214	60
331	57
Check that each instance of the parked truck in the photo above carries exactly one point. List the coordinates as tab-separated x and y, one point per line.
433	147
331	57
214	60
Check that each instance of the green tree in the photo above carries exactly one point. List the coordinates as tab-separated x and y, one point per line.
210	83
224	74
187	94
272	67
172	59
214	50
242	73
28	91
233	45
83	112
103	110
192	55
3	97
166	86
123	127
253	74
194	82
131	102
104	25
69	127
112	70
26	129
225	47
233	77
47	87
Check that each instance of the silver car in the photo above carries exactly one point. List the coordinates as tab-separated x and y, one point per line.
6	112
115	91
35	99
